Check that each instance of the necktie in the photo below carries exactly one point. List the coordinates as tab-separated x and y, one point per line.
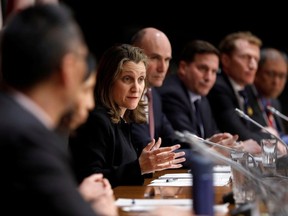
247	109
200	126
270	115
150	112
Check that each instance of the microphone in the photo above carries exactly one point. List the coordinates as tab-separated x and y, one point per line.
197	144
276	112
269	191
197	138
246	117
207	142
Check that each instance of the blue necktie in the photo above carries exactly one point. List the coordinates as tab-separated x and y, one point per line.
200	127
247	108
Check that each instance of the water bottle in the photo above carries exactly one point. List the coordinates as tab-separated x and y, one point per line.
202	190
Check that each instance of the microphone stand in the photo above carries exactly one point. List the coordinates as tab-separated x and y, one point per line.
276	112
270	194
193	139
246	117
229	149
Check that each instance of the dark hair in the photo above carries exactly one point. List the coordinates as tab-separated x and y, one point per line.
65	121
110	67
91	65
270	54
192	48
34	42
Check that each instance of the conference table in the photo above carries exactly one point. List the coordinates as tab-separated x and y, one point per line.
141	192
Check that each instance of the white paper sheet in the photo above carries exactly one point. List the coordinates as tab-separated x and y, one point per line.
153	202
222	169
139	205
176	175
178	179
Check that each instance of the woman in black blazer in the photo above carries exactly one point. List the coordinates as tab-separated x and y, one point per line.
103	144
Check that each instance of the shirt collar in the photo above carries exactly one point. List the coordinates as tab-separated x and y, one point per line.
30	106
193	96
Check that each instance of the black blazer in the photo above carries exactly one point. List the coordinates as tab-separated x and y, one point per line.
163	128
36	176
178	108
223	101
100	146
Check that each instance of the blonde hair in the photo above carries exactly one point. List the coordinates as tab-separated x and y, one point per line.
227	45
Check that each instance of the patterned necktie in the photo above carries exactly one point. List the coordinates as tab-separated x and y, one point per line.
200	126
270	115
150	112
247	109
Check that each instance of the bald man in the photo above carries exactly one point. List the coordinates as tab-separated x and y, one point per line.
157	47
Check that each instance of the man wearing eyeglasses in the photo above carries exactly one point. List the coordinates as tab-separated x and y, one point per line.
240	55
270	81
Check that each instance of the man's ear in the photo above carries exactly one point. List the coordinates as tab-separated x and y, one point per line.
67	69
224	59
182	69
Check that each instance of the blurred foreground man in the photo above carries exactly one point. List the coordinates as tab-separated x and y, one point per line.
43	62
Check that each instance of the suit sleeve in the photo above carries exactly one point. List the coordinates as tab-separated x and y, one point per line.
223	103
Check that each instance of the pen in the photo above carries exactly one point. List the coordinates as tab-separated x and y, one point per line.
171	179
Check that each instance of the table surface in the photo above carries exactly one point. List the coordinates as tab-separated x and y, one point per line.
138	192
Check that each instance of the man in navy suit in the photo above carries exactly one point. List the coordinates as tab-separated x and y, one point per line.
196	74
240	54
43	62
184	93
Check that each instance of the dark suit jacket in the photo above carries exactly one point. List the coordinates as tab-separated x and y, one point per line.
274	103
178	108
36	176
163	128
223	102
100	146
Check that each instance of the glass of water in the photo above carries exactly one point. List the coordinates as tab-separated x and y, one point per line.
269	155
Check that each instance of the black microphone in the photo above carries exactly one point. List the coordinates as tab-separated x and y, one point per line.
276	112
246	117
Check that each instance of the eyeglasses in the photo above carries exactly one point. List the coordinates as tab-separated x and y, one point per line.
273	74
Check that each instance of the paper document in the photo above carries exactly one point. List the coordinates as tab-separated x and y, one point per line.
222	169
153	202
182	179
176	175
150	204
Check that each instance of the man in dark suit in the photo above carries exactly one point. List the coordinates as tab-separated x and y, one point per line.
240	53
157	47
196	74
184	94
269	83
43	61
